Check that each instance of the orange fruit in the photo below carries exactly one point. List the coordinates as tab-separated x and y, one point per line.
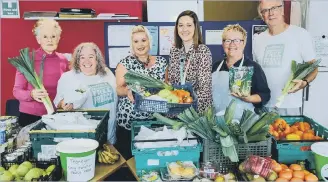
298	174
311	177
284	166
276	167
286	174
295	167
306	172
281	180
296	180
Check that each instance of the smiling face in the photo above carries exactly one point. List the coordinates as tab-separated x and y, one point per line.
87	61
233	43
186	28
272	12
140	44
48	38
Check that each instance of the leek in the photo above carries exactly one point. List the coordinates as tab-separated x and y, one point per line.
298	72
136	79
25	65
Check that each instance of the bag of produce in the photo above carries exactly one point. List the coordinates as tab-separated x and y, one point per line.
257	165
240	80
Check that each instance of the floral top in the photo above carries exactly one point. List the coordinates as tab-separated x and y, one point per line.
198	73
126	112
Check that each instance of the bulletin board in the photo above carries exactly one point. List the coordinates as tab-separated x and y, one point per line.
117	38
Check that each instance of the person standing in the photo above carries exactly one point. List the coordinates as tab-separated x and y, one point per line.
275	48
191	60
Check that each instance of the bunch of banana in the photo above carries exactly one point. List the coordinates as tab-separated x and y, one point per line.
107	156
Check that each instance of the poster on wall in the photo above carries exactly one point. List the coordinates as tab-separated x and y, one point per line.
321	49
153	30
9	9
166	39
213	37
256	30
119	35
116	54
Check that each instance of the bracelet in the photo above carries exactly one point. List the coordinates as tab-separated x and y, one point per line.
307	83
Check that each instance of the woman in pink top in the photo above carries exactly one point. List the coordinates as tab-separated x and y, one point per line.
47	33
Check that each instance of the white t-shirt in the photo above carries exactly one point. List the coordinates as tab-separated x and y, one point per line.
100	93
275	53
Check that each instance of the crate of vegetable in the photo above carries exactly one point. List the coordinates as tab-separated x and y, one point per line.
45	140
293	137
152	95
153	154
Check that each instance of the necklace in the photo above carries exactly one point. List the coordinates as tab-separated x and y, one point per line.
144	63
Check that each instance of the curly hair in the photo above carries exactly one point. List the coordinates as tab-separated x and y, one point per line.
137	29
46	22
235	28
75	60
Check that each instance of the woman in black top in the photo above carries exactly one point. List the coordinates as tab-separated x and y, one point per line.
233	42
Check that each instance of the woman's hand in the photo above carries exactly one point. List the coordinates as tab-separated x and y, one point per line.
130	96
67	107
38	94
243	98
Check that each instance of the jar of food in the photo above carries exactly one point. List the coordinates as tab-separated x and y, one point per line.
208	170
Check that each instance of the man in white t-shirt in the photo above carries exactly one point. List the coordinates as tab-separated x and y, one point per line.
275	48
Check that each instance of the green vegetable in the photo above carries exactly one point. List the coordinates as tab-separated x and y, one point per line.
25	65
298	71
230	111
175	124
136	79
267	119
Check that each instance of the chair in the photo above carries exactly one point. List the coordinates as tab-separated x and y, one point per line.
12	107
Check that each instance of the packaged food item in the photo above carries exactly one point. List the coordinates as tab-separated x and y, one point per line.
240	80
208	170
182	170
151	176
257	165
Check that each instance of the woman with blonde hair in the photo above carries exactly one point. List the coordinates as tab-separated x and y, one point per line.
142	62
47	33
234	41
89	85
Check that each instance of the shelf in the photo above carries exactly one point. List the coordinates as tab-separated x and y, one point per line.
96	18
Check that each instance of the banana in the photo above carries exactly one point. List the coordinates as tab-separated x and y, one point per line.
107	159
106	147
111	155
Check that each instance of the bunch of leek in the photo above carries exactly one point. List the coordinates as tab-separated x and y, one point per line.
298	72
25	65
134	79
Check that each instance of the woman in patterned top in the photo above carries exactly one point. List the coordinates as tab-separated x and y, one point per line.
190	59
140	61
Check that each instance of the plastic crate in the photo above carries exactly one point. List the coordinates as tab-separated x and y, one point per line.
55	175
288	151
47	139
163	106
156	158
213	152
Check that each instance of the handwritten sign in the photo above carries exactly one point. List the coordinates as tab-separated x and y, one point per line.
81	168
9	9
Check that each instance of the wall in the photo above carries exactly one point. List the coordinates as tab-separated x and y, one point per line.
17	33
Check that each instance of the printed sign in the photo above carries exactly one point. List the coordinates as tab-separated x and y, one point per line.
273	56
9	9
102	93
81	168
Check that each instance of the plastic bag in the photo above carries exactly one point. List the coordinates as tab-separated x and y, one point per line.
240	80
23	135
258	165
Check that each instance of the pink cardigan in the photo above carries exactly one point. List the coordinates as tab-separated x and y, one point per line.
55	65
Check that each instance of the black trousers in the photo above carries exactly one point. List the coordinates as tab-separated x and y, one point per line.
26	119
123	142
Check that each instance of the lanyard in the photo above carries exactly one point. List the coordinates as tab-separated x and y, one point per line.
240	65
183	70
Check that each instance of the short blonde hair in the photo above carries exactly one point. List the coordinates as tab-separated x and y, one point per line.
46	22
138	29
236	28
75	60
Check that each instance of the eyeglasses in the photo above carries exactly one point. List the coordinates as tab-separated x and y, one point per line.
229	41
272	9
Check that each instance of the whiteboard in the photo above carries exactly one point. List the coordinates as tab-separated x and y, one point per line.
317	25
168	10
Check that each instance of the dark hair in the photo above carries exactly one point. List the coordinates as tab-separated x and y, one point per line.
197	34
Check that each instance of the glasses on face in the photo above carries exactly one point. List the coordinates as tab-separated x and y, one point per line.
229	41
272	9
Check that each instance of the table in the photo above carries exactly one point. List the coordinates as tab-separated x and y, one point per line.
132	166
102	171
